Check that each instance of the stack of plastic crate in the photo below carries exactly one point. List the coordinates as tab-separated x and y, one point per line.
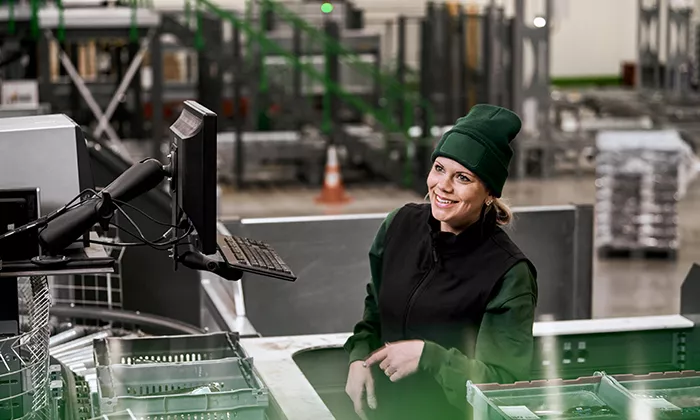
670	395
191	376
656	396
640	175
594	397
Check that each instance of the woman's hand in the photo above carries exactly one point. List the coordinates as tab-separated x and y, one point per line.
399	359
360	385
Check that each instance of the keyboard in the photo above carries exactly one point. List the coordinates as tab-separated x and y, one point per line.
253	256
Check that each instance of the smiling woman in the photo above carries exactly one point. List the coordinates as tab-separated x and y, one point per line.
453	190
452	298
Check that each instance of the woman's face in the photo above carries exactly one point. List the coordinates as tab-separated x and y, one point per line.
456	195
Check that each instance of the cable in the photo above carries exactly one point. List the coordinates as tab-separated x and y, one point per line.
131	244
128	218
131	206
154	244
142	237
42	221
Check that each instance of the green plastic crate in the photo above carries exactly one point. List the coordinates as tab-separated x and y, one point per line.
171	378
669	395
166	349
237	392
590	398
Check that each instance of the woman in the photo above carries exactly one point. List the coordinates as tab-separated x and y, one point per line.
451	298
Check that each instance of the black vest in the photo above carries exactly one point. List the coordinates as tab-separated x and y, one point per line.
435	286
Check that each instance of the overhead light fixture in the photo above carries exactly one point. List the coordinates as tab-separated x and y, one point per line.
539	22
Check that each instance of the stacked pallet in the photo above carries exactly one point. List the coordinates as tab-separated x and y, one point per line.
640	177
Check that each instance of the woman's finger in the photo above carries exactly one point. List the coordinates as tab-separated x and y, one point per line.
357	404
376	357
371	397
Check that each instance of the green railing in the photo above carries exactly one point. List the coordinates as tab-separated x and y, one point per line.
396	93
381	115
268	45
35	6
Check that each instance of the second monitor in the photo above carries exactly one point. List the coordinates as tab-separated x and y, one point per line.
193	165
193	156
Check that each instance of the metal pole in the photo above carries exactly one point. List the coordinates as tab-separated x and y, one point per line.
262	105
448	87
332	76
425	80
216	39
401	67
424	143
45	82
462	73
238	108
136	96
157	118
518	29
491	52
74	90
297	51
669	74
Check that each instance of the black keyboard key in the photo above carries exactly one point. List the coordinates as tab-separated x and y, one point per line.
254	256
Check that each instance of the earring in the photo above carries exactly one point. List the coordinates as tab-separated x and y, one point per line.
488	203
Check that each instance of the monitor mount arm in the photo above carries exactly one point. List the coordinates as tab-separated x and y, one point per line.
65	228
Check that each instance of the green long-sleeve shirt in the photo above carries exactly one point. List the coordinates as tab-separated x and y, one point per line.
504	347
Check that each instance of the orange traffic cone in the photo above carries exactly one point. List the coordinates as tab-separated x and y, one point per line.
333	191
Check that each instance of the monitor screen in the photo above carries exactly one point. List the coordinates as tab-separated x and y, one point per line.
193	161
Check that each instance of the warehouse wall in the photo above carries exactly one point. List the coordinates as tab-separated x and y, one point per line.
593	37
590	38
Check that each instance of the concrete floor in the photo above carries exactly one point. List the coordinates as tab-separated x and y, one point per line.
620	287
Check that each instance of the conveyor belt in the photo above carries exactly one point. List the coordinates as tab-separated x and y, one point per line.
329	254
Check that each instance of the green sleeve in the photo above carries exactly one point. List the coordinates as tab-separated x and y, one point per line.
366	333
504	345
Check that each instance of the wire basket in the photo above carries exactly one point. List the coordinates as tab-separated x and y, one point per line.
92	290
24	359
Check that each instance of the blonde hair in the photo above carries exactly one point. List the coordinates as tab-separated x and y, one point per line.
504	215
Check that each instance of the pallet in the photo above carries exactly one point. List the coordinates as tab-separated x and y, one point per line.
638	254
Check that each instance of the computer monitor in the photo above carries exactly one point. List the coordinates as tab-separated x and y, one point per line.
47	152
193	162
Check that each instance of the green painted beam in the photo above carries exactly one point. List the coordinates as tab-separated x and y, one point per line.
579	81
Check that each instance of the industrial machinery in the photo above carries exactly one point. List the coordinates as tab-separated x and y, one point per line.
193	227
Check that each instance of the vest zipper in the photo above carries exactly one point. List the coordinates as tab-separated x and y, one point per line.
414	292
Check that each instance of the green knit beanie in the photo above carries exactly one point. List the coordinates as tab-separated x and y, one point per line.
480	142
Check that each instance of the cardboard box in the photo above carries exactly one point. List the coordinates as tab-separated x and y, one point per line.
25	92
